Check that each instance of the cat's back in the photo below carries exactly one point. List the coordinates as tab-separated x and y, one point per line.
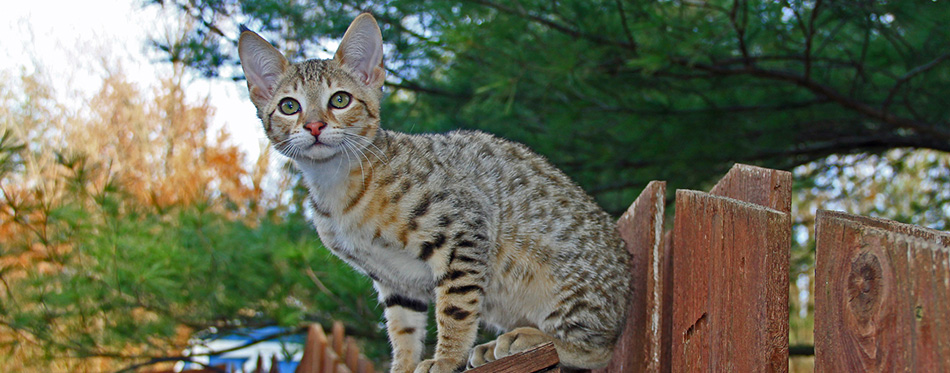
532	204
554	247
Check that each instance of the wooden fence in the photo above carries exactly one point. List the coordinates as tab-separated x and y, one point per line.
712	293
337	354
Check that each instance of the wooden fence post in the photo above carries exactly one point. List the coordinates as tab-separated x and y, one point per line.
641	227
882	299
730	274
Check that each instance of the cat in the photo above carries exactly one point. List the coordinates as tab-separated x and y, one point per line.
487	229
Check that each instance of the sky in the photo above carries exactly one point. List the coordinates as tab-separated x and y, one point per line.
65	38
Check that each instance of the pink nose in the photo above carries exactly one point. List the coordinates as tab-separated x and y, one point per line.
315	128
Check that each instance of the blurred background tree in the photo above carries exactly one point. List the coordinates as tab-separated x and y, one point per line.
127	227
164	218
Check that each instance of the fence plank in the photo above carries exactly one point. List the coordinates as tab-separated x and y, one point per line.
882	295
274	364
352	354
757	185
639	348
313	353
730	284
666	309
336	339
365	366
539	359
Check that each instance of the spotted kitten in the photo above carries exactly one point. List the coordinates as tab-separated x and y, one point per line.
482	226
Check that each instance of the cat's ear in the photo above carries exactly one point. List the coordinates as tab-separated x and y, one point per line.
262	64
361	51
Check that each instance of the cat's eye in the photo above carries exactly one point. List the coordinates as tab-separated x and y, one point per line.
289	106
340	100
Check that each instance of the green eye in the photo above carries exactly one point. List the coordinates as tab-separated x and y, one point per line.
340	100
289	106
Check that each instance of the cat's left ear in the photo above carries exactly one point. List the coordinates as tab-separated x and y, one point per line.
263	65
361	51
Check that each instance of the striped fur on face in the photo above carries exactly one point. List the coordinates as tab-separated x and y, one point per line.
479	228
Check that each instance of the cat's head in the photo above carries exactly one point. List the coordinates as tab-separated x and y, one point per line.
318	109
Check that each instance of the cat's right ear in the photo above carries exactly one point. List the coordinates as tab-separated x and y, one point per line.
361	50
262	64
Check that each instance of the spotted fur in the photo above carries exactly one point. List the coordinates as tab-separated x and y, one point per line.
481	228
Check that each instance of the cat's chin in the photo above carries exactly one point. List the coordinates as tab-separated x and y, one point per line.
318	153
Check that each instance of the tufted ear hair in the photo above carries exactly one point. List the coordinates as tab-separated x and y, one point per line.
361	51
263	65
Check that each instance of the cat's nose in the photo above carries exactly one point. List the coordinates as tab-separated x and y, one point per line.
315	128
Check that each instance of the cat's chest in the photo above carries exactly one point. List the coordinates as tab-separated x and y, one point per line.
383	261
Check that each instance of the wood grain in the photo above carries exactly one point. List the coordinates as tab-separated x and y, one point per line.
757	185
882	299
730	284
539	359
641	227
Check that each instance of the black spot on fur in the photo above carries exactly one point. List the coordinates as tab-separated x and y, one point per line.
452	256
422	208
464	289
407	303
467	259
429	247
407	331
466	243
456	313
444	221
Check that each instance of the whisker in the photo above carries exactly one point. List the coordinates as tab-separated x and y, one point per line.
376	152
340	164
356	153
358	150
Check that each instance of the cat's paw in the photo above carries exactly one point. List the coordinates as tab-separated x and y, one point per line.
518	340
482	354
439	366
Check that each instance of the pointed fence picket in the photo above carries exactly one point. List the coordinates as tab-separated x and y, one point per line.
336	354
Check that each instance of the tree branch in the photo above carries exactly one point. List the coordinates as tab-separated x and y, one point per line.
410	86
721	109
626	28
556	26
740	31
911	74
824	91
156	360
810	37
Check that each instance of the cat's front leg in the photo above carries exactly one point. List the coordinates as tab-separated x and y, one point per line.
406	326
459	293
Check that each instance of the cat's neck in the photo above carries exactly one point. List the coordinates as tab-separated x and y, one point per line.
331	175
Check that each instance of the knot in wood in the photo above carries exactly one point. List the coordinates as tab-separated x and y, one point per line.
865	285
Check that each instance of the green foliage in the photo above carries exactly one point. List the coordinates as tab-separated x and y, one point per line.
119	275
618	93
